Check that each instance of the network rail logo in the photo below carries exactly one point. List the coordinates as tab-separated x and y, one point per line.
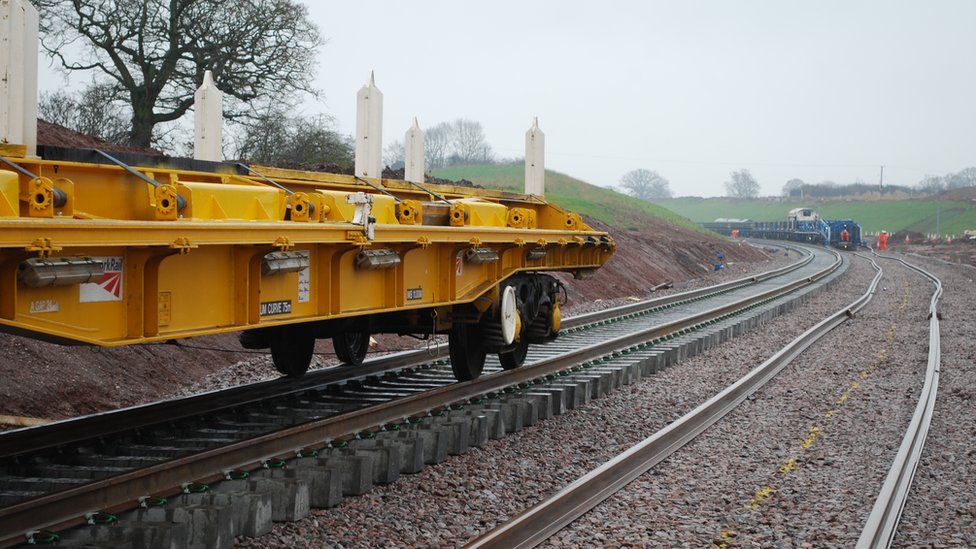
108	287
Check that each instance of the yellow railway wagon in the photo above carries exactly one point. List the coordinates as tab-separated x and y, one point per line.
119	249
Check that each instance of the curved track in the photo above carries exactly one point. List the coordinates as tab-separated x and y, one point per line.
108	461
538	523
882	523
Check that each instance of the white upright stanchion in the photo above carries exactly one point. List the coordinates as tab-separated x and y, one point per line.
18	74
535	160
369	130
413	154
208	121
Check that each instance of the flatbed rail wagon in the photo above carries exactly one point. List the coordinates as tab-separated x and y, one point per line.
118	249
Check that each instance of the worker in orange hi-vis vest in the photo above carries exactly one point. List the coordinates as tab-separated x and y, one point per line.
845	235
735	233
883	241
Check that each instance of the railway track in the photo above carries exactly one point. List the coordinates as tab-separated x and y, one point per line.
541	521
882	523
341	425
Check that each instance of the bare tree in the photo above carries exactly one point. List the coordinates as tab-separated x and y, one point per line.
468	142
394	155
277	139
437	142
645	184
485	154
963	178
742	185
156	51
459	142
97	111
931	184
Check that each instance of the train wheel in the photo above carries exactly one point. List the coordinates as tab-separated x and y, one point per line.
351	347
515	356
291	351
467	351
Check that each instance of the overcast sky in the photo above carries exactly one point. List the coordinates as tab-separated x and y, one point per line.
816	90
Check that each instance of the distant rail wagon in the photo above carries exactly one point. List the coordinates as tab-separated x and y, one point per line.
801	225
119	249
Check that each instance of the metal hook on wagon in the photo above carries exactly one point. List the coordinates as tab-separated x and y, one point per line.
431	346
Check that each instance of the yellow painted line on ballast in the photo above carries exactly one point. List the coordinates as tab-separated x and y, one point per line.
790	465
724	539
760	495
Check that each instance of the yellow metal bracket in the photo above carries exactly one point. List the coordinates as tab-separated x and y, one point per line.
182	245
521	218
40	196
409	212
300	207
166	198
283	243
43	246
423	242
357	238
458	215
572	221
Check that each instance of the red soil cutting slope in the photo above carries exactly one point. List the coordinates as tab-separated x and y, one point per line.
658	252
59	136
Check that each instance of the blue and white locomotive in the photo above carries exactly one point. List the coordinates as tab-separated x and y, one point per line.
801	225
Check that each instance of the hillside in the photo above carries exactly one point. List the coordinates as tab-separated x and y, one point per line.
916	214
606	205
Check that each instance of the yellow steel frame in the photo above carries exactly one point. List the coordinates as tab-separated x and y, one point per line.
197	270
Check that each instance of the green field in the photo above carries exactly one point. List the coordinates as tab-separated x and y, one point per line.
609	206
891	215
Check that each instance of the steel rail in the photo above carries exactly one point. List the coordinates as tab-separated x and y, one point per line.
630	308
543	520
62	509
882	523
101	424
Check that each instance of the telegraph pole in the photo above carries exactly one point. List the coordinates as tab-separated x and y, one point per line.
881	181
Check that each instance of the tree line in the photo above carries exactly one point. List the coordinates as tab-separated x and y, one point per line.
458	142
650	185
930	184
146	60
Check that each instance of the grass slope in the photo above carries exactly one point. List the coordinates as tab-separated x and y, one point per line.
890	215
609	206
